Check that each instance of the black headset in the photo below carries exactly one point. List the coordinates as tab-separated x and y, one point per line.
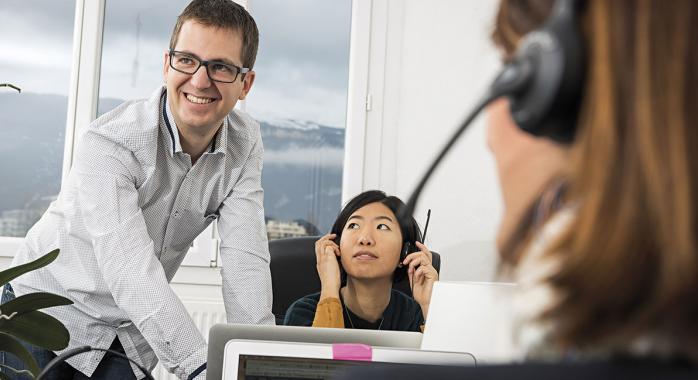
551	62
407	246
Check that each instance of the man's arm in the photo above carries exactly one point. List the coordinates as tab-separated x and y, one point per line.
108	198
244	249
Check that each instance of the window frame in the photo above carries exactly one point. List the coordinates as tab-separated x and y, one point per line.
83	98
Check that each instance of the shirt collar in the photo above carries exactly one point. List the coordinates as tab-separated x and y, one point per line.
220	140
170	124
217	144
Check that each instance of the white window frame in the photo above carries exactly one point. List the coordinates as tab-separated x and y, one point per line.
83	98
358	100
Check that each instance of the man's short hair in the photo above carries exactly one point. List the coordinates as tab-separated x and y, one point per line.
224	14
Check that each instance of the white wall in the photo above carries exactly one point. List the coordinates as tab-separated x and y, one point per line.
429	63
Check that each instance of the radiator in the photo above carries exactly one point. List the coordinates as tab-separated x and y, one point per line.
205	315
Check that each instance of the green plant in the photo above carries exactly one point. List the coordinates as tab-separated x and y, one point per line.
21	320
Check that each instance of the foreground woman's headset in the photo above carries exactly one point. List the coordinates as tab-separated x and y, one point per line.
551	64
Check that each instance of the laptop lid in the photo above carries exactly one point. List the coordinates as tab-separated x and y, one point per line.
470	317
220	334
256	360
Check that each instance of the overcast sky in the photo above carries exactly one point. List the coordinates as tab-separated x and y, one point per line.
36	44
302	65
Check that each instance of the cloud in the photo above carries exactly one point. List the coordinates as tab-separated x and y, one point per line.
157	17
24	20
319	158
304	30
319	105
37	44
131	72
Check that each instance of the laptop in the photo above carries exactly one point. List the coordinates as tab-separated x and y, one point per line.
262	360
220	334
471	317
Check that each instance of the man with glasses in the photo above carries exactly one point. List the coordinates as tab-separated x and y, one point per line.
147	178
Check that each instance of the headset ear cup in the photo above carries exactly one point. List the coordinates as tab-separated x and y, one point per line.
404	253
548	105
401	271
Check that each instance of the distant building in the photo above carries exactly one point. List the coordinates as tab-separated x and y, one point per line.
16	223
277	229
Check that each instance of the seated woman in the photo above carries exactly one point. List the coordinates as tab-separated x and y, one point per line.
357	293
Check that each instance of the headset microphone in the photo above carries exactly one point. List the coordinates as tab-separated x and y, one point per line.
512	77
543	84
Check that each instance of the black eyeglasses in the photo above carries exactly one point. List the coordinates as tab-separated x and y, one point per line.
217	71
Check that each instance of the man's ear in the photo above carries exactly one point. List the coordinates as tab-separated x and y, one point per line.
247	84
165	65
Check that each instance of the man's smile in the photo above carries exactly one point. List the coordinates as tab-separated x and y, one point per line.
198	99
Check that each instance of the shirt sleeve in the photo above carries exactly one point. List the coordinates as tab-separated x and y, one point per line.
244	249
107	174
329	313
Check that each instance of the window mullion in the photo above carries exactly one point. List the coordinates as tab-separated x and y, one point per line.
84	90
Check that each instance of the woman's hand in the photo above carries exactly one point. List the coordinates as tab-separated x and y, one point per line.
326	253
422	276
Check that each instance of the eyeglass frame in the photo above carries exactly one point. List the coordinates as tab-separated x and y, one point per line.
242	71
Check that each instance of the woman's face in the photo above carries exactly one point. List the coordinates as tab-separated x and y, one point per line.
371	242
525	164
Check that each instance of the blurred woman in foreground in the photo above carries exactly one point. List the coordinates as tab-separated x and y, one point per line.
610	266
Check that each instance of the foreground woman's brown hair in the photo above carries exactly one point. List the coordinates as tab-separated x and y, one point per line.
629	260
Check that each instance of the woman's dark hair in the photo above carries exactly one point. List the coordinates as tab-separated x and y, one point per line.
409	229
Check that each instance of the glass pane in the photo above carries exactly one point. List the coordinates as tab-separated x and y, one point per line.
136	36
37	46
300	97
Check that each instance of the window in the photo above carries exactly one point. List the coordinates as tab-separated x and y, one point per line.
136	36
300	98
37	41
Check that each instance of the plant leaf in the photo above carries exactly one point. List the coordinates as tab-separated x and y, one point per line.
14	272
39	329
11	345
33	301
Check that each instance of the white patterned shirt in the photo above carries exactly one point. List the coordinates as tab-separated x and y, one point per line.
124	220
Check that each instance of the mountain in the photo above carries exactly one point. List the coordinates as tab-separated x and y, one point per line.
302	174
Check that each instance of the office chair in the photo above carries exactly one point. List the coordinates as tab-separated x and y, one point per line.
294	275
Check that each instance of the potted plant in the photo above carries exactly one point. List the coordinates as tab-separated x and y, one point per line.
20	319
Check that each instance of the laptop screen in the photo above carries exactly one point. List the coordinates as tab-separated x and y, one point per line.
257	367
269	360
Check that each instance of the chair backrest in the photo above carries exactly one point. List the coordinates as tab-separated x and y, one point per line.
294	275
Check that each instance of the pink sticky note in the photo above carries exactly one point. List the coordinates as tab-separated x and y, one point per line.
352	351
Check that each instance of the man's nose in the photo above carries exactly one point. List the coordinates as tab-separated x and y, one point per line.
200	78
